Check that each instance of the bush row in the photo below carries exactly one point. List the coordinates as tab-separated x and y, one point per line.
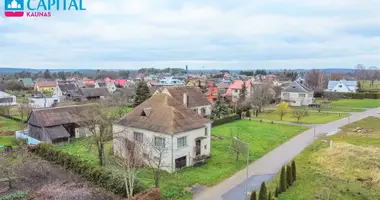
91	172
226	120
359	95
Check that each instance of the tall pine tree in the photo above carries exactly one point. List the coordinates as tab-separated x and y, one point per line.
289	178
253	196
294	171
219	108
142	93
263	194
276	192
243	93
270	196
283	182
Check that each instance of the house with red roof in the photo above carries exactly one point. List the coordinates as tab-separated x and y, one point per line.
89	82
235	88
212	94
117	82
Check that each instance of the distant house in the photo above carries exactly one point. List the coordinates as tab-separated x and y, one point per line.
342	86
46	86
235	88
128	93
63	88
184	136
192	97
88	94
109	85
297	94
7	99
212	94
27	82
89	83
222	87
170	81
43	102
57	125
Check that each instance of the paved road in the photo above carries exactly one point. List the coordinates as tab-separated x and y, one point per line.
264	168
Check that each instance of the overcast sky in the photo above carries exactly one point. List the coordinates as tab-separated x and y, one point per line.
216	34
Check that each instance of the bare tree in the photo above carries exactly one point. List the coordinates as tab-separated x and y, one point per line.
360	72
316	80
321	107
154	154
24	109
132	162
372	75
98	123
299	114
263	94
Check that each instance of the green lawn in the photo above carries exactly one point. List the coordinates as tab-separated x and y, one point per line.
263	137
6	140
365	85
357	103
347	171
331	109
10	125
311	118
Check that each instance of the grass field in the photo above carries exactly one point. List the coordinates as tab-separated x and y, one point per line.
365	85
10	125
347	171
357	103
332	109
263	137
311	118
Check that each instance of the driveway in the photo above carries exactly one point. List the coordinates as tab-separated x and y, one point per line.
267	166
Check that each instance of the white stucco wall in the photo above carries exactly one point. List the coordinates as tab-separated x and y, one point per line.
295	100
40	102
172	153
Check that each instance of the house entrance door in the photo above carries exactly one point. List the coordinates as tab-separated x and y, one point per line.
198	147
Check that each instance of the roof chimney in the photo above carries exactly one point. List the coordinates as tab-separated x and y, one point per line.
185	99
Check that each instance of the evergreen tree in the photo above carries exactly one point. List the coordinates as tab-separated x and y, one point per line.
243	93
294	171
142	93
270	196
282	181
47	74
219	108
289	178
253	196
276	192
263	194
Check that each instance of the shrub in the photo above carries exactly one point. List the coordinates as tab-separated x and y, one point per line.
270	196
276	192
253	196
294	171
226	120
289	178
15	196
91	172
282	181
263	194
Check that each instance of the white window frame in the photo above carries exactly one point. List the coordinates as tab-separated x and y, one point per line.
138	137
182	142
159	142
301	95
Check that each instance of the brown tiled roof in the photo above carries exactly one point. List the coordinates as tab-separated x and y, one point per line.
196	97
46	117
162	113
46	84
94	92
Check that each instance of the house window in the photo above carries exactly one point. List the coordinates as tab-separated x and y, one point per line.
195	110
302	95
138	136
285	94
181	142
203	111
205	146
206	131
159	142
340	86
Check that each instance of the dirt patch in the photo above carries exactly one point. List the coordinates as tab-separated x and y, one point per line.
6	133
351	162
44	180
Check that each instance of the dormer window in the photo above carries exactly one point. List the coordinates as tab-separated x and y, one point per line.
146	112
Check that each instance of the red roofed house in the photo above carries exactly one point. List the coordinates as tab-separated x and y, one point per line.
89	82
117	82
235	88
212	94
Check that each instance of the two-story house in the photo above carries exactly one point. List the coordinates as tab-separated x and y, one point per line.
297	94
111	87
163	122
46	86
234	90
342	86
193	96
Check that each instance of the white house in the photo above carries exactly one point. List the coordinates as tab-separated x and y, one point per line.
63	87
342	86
7	99
165	123
193	97
109	85
43	102
297	94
